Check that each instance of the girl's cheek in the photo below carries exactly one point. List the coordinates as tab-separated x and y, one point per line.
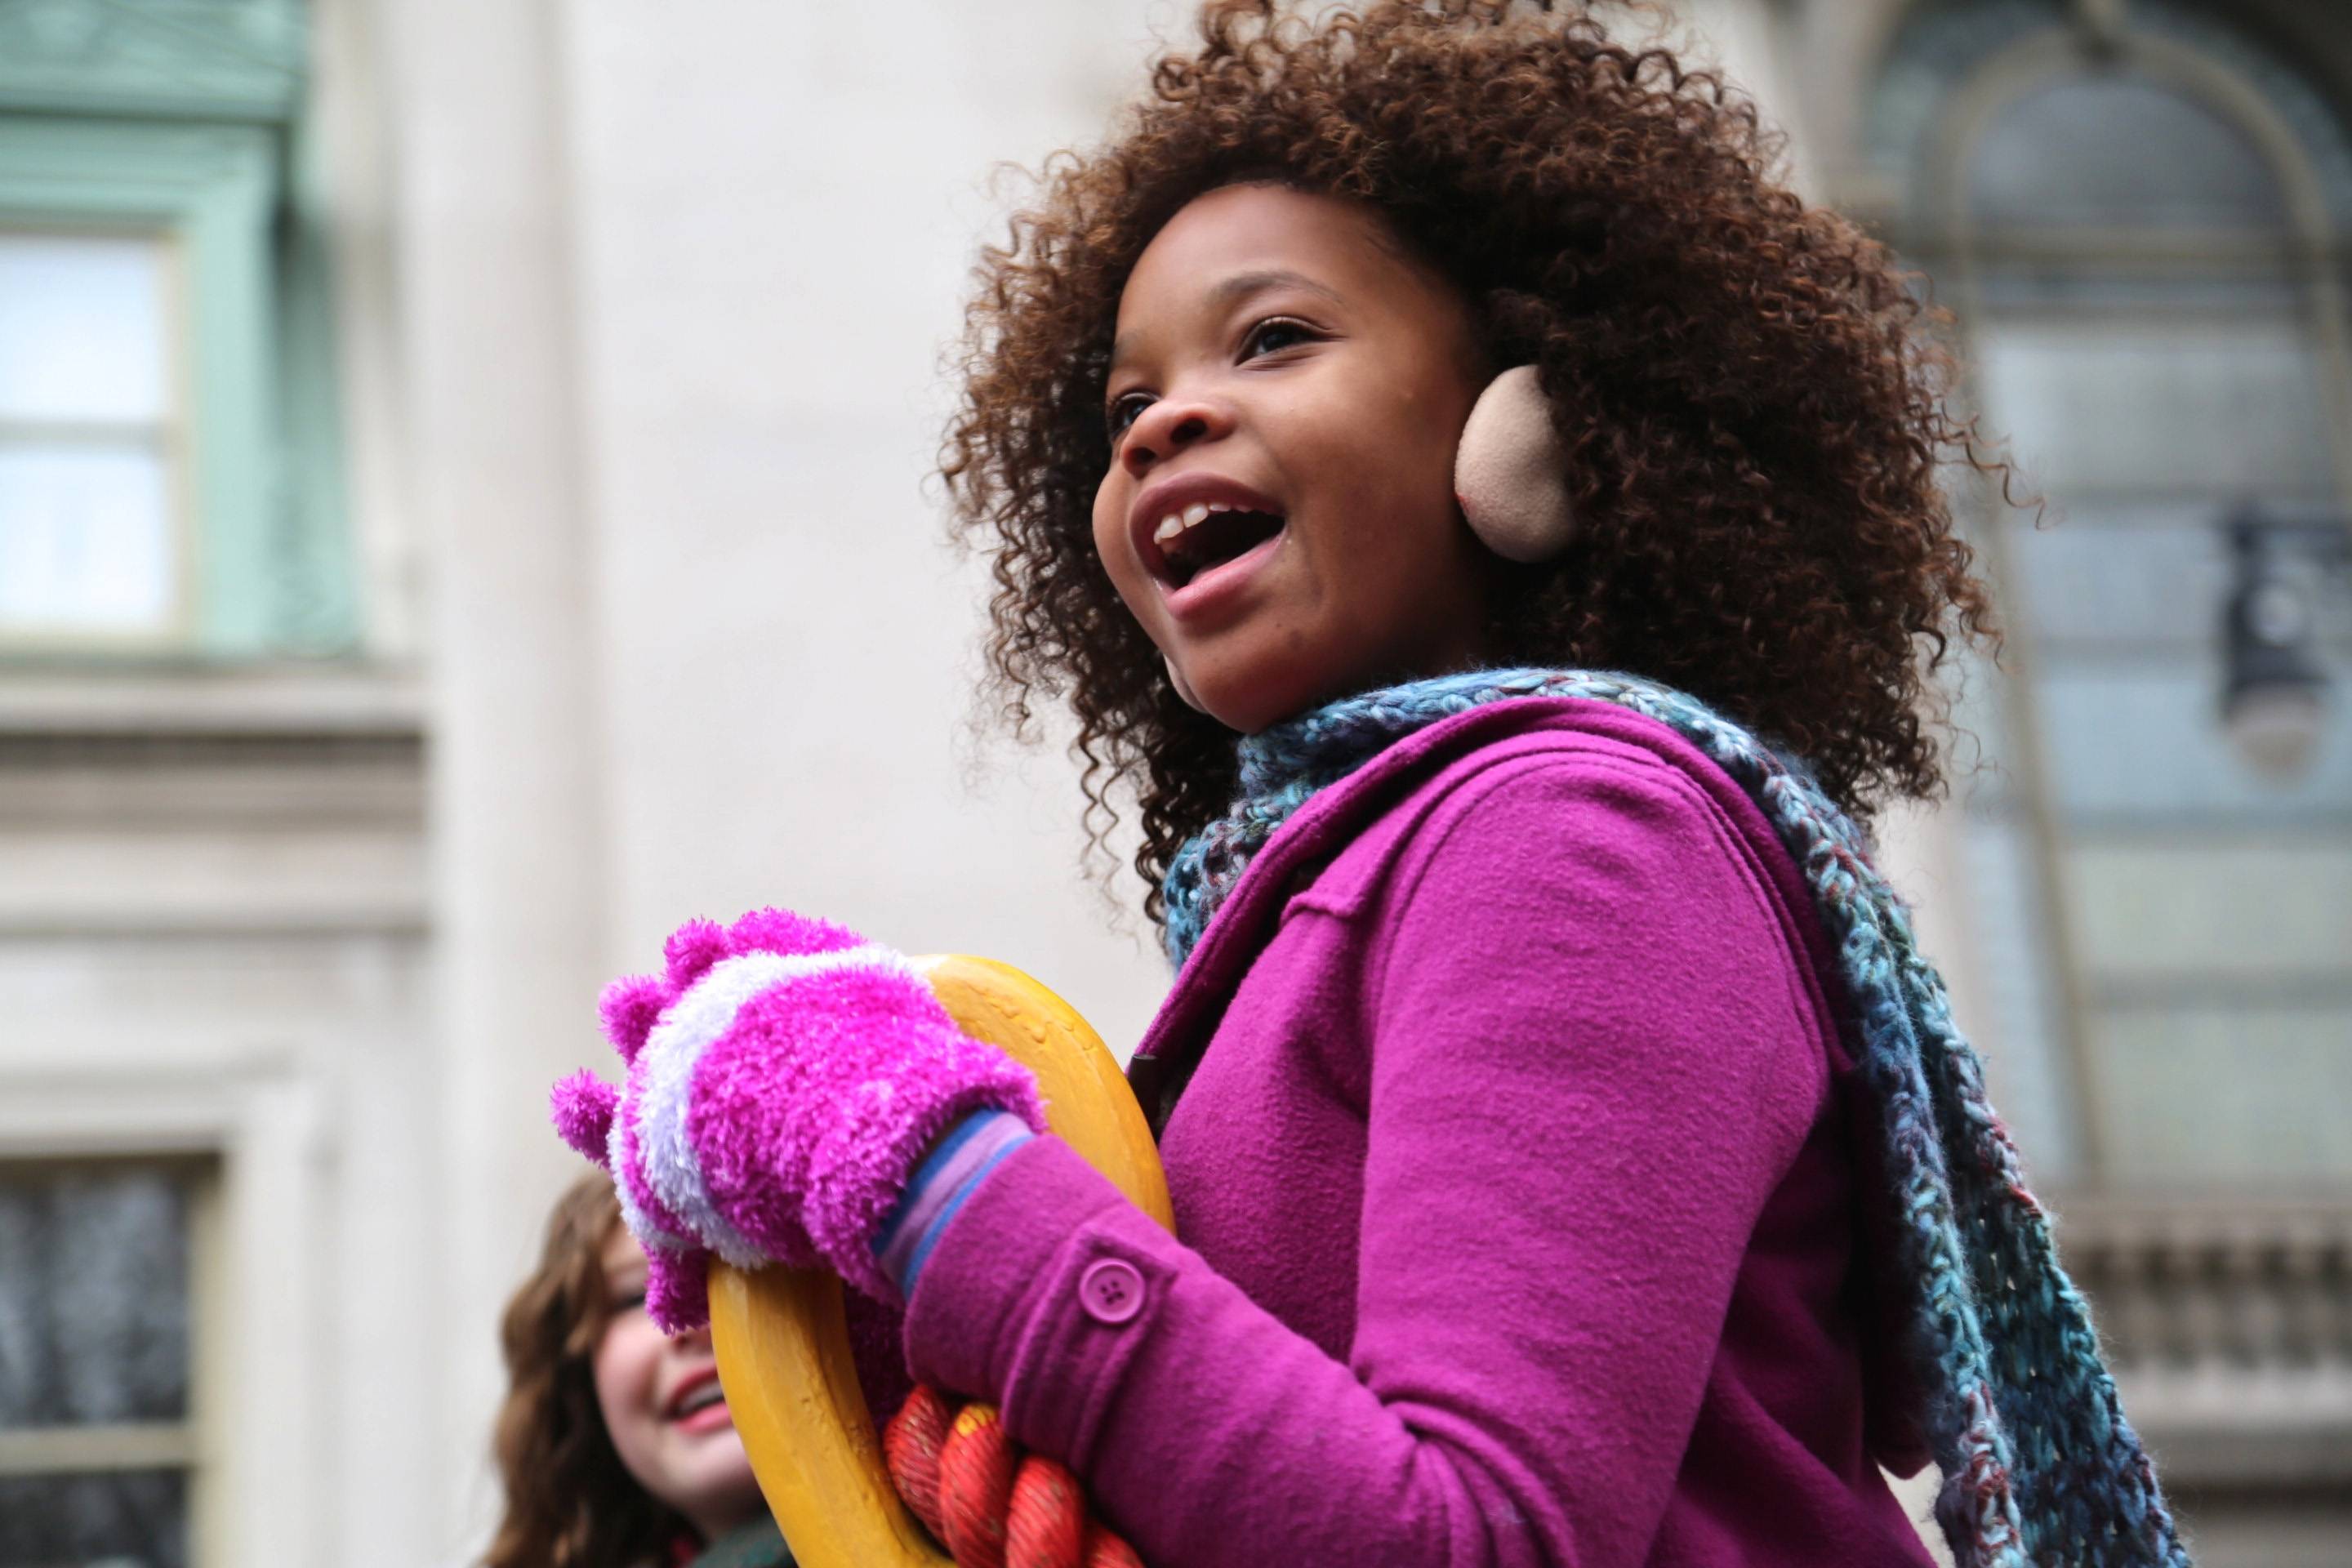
1111	547
624	1364
1107	519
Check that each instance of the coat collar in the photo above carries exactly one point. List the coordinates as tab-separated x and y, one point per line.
1334	817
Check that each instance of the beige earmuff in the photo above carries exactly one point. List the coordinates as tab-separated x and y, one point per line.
1510	473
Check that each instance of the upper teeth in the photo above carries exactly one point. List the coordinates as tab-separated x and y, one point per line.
705	1395
1176	522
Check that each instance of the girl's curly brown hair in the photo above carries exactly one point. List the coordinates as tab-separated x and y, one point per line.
569	1501
1755	410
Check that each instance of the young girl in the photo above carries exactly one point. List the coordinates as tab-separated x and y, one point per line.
613	1445
1574	1160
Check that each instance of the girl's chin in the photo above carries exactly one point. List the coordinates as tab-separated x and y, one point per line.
1250	697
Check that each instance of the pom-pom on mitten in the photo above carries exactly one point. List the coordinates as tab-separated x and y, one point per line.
785	1079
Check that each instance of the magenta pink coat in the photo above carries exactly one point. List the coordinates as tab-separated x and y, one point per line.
1520	1215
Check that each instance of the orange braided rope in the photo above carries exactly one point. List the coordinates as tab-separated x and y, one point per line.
992	1505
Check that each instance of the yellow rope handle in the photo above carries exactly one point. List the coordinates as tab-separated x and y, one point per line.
783	1343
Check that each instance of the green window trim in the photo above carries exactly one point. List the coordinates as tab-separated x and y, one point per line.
97	136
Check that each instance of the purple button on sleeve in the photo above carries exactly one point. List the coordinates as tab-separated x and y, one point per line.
1111	1291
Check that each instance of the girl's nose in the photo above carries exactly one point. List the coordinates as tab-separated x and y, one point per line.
1171	426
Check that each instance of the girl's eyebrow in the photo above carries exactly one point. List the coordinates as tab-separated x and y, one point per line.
1241	286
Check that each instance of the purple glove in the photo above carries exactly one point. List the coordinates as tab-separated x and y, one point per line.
785	1077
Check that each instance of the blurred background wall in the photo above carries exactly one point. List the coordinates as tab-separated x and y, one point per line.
463	509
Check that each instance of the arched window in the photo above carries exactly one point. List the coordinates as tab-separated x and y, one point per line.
2139	217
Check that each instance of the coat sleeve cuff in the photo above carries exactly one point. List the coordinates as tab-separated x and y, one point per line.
1037	1295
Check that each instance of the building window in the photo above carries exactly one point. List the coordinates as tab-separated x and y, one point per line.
2137	224
99	1385
169	469
91	436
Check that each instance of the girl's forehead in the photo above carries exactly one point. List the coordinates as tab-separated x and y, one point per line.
1240	239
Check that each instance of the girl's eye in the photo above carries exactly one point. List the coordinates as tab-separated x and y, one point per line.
627	1302
1275	335
1124	411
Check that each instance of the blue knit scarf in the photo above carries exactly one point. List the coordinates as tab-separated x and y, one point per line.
2039	1465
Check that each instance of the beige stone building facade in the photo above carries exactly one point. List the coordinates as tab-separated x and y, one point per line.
504	533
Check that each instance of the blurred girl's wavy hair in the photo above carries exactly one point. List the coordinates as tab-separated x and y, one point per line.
568	1502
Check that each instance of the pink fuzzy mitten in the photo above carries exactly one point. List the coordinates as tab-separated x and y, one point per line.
785	1079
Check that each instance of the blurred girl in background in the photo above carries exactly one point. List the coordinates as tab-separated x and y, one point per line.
615	1445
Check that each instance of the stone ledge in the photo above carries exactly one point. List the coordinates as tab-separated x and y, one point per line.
147	699
184	801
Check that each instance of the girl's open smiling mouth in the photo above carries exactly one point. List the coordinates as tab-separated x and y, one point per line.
1187	526
1213	587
